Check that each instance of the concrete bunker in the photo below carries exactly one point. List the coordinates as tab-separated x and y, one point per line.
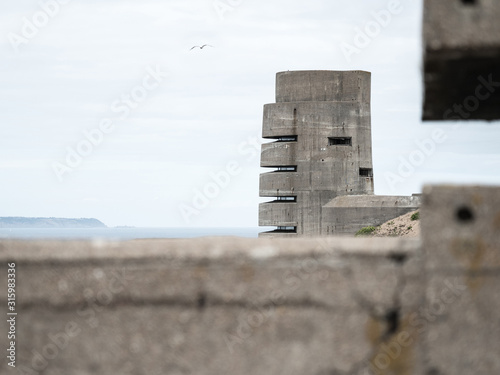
321	124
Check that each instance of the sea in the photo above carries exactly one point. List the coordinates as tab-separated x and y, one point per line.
124	233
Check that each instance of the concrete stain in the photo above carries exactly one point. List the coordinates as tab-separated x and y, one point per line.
247	273
496	221
477	199
393	355
471	254
201	272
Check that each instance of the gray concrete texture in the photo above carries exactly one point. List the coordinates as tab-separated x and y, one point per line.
314	106
461	242
206	306
461	60
323	85
319	306
322	129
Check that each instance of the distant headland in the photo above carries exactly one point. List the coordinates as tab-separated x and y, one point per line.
49	222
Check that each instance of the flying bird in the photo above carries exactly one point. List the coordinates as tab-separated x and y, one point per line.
201	47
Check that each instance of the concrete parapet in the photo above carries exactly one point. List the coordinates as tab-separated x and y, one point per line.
278	214
328	85
207	306
306	118
275	184
276	154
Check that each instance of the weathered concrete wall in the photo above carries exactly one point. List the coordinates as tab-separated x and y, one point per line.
461	241
210	306
323	85
348	214
246	306
462	60
310	107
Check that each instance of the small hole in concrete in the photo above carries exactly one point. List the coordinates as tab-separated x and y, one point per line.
202	301
392	319
464	214
469	2
398	258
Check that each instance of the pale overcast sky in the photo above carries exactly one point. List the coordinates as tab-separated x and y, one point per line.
173	116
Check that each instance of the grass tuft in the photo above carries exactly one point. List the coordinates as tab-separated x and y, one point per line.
366	231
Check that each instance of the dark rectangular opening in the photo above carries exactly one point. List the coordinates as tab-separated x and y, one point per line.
365	172
287	138
286	168
339	141
286	229
286	199
469	2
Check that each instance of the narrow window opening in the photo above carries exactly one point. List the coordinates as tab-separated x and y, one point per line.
286	199
287	138
339	141
287	229
365	172
287	168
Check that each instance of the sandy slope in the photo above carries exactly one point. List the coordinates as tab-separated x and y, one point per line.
401	226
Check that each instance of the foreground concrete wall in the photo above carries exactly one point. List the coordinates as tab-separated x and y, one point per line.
462	60
261	306
210	306
348	214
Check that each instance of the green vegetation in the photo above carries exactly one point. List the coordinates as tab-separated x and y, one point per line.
410	227
415	216
366	231
390	223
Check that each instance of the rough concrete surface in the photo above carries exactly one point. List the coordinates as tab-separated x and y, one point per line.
205	306
322	157
462	266
348	214
313	110
320	306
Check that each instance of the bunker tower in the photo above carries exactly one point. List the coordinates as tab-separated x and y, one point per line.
321	127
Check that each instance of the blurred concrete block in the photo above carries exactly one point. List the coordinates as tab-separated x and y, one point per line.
213	306
461	60
460	320
461	228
